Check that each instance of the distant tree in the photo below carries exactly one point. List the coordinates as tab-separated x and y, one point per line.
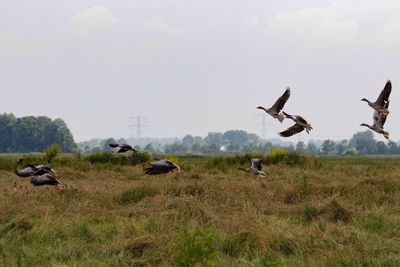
150	148
312	149
341	146
328	147
188	140
381	148
7	122
215	139
105	145
392	148
363	142
176	147
301	147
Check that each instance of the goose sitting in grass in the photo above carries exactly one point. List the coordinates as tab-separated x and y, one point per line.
161	166
255	168
277	107
379	104
45	179
379	120
122	148
32	169
299	126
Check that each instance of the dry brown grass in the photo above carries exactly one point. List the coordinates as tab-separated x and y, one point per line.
338	212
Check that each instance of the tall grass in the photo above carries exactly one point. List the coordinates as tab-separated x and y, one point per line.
336	212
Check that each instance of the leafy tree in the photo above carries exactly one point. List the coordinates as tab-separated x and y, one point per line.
301	147
215	139
312	149
381	148
328	147
341	146
363	142
392	148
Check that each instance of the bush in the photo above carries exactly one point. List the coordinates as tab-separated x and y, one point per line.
7	163
51	152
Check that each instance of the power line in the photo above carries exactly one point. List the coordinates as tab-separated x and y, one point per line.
139	125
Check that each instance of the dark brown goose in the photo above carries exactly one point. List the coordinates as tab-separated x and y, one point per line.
122	148
277	107
299	126
255	168
45	179
383	98
161	166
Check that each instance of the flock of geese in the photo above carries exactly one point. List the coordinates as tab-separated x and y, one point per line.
380	107
44	175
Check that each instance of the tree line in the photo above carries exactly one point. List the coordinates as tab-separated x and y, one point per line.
237	141
33	134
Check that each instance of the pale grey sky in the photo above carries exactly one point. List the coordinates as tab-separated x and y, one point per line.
199	66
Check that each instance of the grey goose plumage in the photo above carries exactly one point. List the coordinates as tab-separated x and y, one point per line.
378	121
45	179
300	125
122	148
383	98
275	110
255	168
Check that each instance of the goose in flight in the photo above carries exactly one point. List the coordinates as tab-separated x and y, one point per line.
379	120
45	179
299	126
277	107
379	104
32	170
122	148
161	166
255	168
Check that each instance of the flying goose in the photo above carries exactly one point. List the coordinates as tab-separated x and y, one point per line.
379	104
379	120
255	168
45	179
122	148
277	107
161	166
32	169
299	126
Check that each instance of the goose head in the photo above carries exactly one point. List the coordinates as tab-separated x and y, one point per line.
366	100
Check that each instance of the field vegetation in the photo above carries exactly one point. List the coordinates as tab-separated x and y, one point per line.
325	211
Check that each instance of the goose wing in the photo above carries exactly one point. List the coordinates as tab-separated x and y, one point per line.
301	119
292	130
113	145
256	164
281	101
45	179
384	95
379	118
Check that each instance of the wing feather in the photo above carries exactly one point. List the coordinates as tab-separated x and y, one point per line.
278	106
292	130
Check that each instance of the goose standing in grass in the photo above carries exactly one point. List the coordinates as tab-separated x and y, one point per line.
379	120
161	166
45	179
299	126
277	107
379	104
255	168
122	148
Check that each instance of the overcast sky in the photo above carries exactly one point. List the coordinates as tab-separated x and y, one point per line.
199	66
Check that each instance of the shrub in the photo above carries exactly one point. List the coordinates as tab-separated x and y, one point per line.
7	163
51	152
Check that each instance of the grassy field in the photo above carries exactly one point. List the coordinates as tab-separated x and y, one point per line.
312	212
